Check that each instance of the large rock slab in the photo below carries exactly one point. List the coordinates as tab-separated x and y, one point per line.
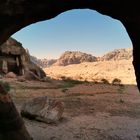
43	109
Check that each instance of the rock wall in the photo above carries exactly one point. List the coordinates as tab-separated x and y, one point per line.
14	58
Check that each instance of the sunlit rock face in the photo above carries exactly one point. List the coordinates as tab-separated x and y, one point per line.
118	54
16	14
74	57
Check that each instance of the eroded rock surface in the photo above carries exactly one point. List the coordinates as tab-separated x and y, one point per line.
14	58
118	54
74	57
43	109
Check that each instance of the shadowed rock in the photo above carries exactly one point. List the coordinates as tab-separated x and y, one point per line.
11	125
14	58
43	63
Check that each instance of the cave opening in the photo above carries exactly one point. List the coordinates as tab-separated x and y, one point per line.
75	30
110	8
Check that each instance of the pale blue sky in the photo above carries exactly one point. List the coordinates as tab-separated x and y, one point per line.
75	30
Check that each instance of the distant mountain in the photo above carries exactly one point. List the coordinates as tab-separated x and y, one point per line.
118	54
77	57
74	57
115	64
42	62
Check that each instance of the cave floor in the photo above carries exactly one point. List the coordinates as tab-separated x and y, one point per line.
92	111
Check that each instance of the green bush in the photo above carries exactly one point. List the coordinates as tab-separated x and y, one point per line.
6	85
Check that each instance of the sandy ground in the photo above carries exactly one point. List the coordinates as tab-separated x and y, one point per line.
95	71
92	111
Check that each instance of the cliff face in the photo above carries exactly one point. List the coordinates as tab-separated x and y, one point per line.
14	58
118	54
74	57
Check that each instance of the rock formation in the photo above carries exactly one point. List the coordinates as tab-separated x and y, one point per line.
118	54
77	57
14	58
74	57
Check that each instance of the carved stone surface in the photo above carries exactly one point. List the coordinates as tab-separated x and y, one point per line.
14	58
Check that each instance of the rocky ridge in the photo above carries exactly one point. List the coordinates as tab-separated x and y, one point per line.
74	57
77	57
118	54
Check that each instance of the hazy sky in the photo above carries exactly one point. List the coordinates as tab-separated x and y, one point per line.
75	30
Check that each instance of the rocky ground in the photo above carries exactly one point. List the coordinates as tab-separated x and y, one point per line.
92	111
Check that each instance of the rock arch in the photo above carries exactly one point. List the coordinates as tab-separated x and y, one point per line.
16	14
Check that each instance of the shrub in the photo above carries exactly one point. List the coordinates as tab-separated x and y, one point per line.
116	81
69	82
6	85
104	81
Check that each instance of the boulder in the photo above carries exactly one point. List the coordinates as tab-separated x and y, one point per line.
43	109
10	75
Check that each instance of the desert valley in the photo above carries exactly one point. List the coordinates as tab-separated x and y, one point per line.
81	97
